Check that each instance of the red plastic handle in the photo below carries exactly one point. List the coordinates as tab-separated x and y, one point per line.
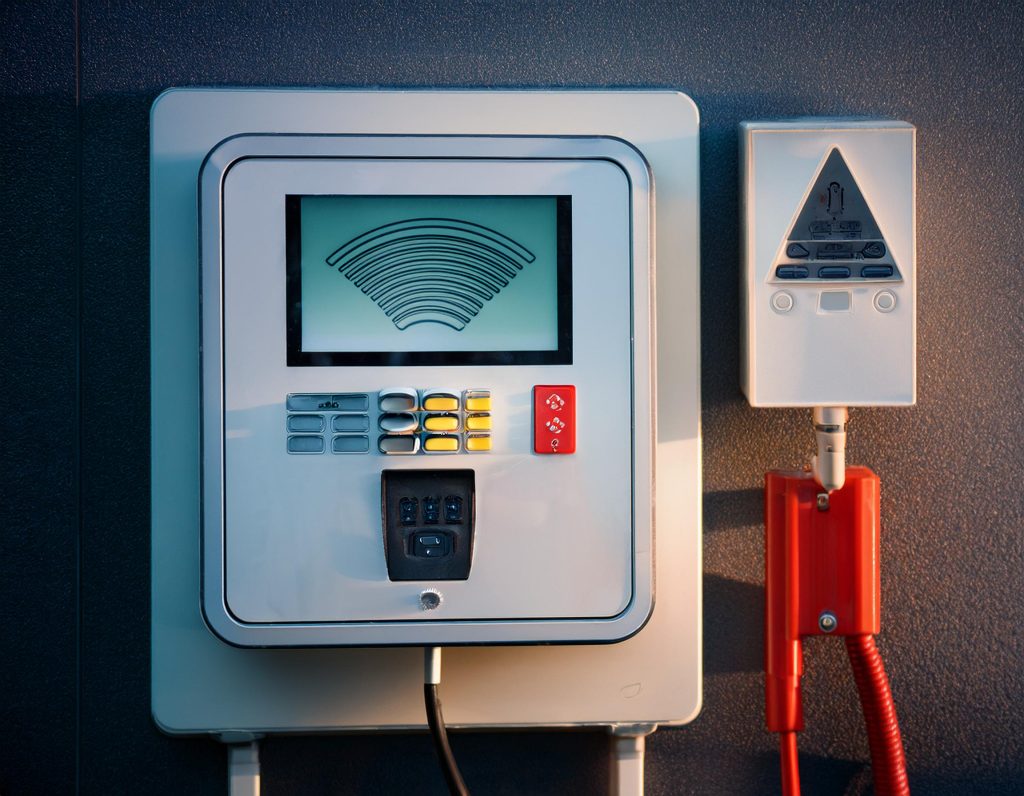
821	576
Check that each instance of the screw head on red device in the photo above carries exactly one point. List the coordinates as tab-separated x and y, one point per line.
827	622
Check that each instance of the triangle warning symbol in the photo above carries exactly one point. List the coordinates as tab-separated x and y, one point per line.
835	236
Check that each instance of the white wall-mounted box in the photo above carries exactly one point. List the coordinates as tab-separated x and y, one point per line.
828	263
202	685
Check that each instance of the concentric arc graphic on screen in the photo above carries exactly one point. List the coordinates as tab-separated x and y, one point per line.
431	270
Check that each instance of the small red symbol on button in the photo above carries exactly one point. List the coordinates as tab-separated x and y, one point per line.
554	418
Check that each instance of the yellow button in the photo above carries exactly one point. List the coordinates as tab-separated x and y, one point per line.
441	444
441	403
441	423
478	423
481	442
479	404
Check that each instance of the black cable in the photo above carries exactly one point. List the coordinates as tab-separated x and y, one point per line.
439	733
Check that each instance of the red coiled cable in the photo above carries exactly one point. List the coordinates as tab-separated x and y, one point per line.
888	765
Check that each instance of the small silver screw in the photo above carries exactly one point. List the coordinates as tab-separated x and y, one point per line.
823	501
827	622
430	599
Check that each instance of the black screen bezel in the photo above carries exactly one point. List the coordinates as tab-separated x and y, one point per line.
293	296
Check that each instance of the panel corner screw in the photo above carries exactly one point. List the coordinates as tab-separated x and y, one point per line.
827	622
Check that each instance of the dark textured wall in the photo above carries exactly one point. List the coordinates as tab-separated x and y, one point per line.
78	80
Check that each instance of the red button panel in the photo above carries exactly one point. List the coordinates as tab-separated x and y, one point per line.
554	418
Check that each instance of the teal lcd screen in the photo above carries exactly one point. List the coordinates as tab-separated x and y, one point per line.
429	280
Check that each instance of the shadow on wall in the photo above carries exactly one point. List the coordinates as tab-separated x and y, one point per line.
733	609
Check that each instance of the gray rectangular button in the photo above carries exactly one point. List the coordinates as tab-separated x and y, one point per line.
351	443
306	423
309	402
351	402
306	443
350	423
318	402
834	301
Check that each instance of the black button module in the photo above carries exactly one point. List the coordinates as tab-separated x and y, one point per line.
833	272
791	272
876	271
428	518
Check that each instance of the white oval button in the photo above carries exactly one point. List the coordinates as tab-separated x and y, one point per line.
398	422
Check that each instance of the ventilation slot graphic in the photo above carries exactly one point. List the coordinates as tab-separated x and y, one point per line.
836	235
431	270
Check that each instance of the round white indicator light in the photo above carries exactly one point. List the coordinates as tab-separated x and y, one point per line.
782	301
885	301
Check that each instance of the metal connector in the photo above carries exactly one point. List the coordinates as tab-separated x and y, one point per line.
432	665
829	463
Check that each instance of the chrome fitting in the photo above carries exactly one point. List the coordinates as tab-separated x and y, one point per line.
829	464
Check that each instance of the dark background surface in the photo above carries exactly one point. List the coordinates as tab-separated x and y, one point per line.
77	84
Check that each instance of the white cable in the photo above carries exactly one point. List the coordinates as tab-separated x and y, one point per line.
628	745
244	769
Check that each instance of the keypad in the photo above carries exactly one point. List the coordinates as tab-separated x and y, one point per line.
406	421
337	422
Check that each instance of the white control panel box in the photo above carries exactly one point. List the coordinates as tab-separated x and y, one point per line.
828	263
428	411
201	684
